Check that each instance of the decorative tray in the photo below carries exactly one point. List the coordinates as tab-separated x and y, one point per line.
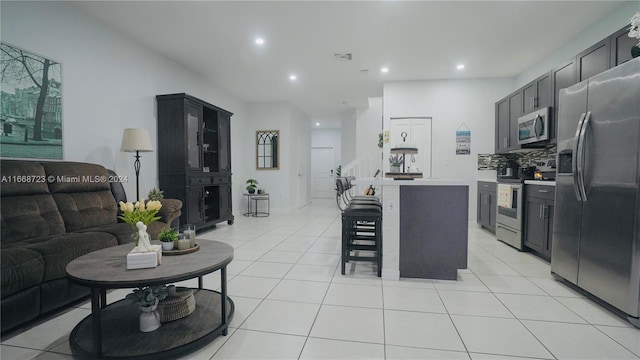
181	252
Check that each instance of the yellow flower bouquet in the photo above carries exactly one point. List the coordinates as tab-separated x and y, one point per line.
146	213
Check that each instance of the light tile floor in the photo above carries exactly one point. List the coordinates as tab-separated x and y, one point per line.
292	303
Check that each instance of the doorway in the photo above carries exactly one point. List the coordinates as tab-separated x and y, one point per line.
322	168
302	169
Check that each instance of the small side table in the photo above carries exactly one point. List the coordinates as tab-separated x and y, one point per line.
261	197
252	210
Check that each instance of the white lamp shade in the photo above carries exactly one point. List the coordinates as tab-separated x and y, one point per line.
136	140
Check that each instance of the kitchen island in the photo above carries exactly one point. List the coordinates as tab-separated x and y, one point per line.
425	227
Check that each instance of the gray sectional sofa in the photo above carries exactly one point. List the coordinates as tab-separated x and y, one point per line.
45	224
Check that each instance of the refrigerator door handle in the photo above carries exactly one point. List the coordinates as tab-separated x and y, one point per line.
581	156
574	162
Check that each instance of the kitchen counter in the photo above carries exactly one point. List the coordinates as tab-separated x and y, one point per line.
425	227
486	175
415	182
540	182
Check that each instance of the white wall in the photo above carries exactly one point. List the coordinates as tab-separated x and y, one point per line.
110	83
281	184
368	126
348	120
329	138
300	126
604	27
450	103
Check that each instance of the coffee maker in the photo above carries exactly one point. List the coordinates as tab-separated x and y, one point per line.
508	169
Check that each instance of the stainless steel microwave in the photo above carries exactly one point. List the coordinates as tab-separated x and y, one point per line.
533	127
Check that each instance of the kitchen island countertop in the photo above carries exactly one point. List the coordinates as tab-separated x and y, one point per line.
415	182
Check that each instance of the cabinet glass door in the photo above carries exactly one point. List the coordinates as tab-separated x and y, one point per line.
194	153
224	131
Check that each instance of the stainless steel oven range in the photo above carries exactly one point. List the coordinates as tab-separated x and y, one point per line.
509	212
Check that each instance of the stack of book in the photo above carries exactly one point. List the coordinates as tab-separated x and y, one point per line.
141	260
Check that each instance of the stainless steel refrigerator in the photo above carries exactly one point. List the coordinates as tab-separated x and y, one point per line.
596	237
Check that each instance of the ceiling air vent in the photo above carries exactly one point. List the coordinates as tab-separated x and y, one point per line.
342	56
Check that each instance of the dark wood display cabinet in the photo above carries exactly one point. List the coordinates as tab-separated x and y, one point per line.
487	205
194	158
538	219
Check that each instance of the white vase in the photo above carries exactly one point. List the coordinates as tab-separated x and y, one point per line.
167	245
149	319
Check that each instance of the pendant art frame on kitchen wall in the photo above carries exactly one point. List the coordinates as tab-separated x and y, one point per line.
31	109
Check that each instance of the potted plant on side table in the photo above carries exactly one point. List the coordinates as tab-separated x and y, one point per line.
252	184
395	161
168	238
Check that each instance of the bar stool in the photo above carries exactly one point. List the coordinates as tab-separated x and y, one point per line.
361	226
362	231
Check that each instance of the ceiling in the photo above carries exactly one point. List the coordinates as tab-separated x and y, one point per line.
416	40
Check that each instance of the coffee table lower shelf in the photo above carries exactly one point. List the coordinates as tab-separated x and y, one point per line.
122	339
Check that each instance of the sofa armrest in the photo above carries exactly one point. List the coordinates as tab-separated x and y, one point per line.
171	210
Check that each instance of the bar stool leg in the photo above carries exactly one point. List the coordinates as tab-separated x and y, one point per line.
345	238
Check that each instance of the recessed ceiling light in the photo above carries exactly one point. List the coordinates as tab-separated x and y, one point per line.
292	77
259	41
384	70
460	66
317	124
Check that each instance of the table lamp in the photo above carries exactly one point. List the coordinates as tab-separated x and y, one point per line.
136	140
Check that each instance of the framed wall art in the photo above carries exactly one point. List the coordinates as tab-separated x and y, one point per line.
31	105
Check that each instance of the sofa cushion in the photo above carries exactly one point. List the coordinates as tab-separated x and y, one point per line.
60	250
84	210
22	178
73	177
21	268
29	216
82	193
122	231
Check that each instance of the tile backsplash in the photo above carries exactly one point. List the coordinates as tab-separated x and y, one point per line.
523	157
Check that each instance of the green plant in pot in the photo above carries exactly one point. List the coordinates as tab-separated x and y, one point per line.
168	237
395	161
155	194
148	297
252	185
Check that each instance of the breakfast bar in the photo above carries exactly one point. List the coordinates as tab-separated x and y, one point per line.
425	224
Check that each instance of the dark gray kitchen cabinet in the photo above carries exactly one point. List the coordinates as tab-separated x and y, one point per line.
564	75
621	45
508	110
502	125
538	219
194	158
594	60
543	91
486	212
515	111
537	94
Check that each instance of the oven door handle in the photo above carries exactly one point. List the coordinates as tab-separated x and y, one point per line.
538	126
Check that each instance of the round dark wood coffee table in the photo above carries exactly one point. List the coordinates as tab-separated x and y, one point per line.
111	331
